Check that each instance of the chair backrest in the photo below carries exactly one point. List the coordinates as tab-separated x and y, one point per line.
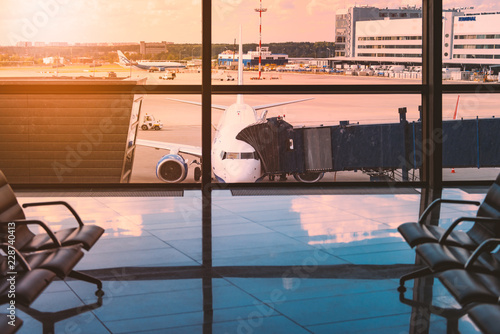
11	210
489	208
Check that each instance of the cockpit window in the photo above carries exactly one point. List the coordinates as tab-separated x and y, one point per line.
238	155
232	155
250	155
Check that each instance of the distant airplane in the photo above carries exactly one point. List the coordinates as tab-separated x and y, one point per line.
232	160
148	65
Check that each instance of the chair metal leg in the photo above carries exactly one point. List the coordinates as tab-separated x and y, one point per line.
412	275
87	278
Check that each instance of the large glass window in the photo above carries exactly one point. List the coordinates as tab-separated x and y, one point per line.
308	138
153	125
470	115
157	41
470	140
299	43
367	106
469	37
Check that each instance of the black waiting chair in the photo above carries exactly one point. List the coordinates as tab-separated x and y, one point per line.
29	282
470	290
23	277
27	241
8	326
486	223
60	261
468	287
439	258
486	316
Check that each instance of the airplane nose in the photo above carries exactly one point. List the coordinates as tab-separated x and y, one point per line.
242	171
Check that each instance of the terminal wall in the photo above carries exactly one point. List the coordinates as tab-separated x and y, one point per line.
66	138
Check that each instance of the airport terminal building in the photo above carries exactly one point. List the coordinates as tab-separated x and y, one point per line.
369	34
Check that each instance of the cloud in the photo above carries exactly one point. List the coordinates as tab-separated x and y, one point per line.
286	4
315	6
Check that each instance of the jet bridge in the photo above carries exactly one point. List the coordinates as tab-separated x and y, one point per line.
376	149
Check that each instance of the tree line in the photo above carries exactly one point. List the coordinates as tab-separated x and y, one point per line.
174	51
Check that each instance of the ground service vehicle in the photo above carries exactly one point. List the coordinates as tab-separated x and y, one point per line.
168	76
149	123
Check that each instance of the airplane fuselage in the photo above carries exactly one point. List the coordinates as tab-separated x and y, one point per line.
146	65
234	160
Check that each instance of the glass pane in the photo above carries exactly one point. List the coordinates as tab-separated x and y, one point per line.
471	41
310	230
101	39
471	145
171	131
300	43
98	138
262	138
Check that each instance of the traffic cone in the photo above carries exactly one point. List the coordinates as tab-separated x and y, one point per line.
453	171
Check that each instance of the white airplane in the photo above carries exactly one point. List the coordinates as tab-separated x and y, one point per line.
232	160
146	65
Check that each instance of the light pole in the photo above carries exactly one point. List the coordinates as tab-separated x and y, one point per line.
260	10
328	52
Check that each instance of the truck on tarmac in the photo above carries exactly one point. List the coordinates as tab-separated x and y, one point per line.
150	123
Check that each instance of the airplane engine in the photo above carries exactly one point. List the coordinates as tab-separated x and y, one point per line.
172	168
308	177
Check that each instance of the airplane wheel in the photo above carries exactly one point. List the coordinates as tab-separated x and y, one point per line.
197	174
144	127
308	177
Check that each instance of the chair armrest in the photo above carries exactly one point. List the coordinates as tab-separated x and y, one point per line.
486	246
19	257
37	222
431	206
466	219
69	207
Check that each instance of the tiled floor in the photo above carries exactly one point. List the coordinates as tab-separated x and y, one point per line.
282	264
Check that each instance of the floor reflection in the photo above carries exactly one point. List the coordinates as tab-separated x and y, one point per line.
281	264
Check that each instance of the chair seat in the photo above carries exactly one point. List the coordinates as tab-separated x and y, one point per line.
29	285
486	317
60	260
440	257
87	236
469	287
6	328
416	234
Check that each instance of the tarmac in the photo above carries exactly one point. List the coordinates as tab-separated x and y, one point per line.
182	122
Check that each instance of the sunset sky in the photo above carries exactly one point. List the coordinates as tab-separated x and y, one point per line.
179	21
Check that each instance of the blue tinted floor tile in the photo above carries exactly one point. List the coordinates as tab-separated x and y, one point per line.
271	250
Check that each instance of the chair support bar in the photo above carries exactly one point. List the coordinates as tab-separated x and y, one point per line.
69	207
442	200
